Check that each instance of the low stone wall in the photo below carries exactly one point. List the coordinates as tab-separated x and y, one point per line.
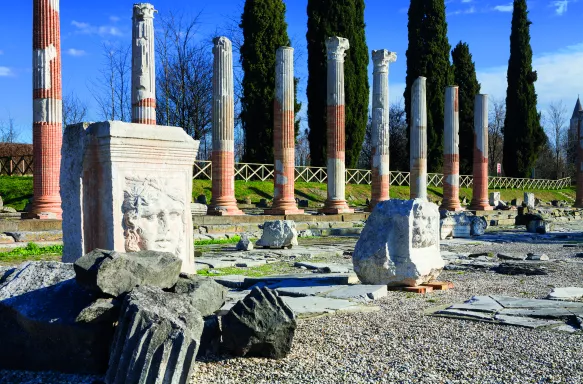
551	214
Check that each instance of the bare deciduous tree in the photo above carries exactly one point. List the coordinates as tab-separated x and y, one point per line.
8	131
74	110
555	119
495	133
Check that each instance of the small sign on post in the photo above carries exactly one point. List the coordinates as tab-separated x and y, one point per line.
498	168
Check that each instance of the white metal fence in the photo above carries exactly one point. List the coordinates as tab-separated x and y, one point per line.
263	172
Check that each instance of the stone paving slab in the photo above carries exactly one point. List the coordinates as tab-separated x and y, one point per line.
312	306
327	267
319	251
567	293
562	316
301	279
359	292
309	290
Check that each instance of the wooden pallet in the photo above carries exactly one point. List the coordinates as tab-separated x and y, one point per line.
425	288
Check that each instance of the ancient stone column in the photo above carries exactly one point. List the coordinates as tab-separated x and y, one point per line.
335	134
284	202
579	192
480	200
380	125
47	128
223	155
418	149
451	151
143	65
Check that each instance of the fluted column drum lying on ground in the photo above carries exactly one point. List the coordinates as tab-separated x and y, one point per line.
223	155
143	65
480	200
451	151
381	178
284	135
47	131
418	150
579	195
335	133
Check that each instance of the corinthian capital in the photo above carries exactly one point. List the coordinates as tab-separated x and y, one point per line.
336	48
382	58
143	11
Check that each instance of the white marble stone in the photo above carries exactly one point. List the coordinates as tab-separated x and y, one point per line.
529	200
494	199
127	187
279	234
399	244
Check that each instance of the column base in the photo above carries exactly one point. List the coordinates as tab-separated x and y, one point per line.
43	216
480	206
283	211
47	208
335	207
224	211
452	206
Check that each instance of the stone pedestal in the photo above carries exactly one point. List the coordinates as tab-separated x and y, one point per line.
529	200
480	183
381	175
451	152
47	97
494	199
127	187
143	65
418	149
284	202
336	137
223	201
399	245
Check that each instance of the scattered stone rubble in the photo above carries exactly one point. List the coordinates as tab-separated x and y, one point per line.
278	234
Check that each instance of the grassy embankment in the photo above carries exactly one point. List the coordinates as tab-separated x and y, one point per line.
15	191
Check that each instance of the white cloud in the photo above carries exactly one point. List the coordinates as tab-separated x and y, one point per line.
560	6
558	74
114	19
504	8
5	72
104	30
76	52
466	11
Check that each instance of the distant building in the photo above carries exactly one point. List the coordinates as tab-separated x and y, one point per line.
575	119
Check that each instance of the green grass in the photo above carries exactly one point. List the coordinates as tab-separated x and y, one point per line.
230	240
16	191
277	268
31	252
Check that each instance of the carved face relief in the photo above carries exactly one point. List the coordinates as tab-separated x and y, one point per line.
153	217
423	229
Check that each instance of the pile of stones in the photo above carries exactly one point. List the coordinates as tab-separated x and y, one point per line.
132	317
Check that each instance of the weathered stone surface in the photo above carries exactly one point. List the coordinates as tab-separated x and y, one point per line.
8	210
1	203
114	273
5	239
325	267
567	293
156	340
478	225
456	225
311	306
538	226
198	209
39	306
260	325
537	257
101	311
205	294
494	199
529	200
27	237
244	244
519	269
210	340
278	234
359	292
511	256
399	244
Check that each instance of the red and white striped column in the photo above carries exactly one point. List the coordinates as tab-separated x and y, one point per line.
47	135
418	141
381	175
223	156
335	134
451	151
143	65
579	191
480	200
284	202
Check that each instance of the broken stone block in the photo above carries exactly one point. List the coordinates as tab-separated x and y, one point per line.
8	210
519	269
567	293
537	257
205	294
156	340
244	244
210	340
538	226
478	225
516	202
399	244
494	199
529	200
262	325
278	234
101	311
198	209
113	273
39	306
5	239
28	237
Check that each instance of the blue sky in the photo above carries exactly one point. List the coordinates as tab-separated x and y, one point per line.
484	24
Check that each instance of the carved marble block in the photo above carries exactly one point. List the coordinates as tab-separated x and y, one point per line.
399	246
127	187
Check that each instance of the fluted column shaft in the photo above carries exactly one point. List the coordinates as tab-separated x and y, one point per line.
381	176
284	202
451	151
418	149
579	192
335	130
223	155
47	109
143	65
480	200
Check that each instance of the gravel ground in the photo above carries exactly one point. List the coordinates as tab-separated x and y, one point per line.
399	344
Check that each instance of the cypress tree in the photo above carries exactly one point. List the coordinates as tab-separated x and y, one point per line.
264	31
523	134
428	55
344	18
464	73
